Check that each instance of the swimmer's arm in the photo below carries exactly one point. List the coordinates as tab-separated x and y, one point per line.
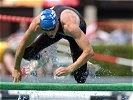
70	23
83	43
28	37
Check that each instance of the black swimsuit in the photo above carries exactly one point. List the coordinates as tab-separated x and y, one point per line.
58	10
43	41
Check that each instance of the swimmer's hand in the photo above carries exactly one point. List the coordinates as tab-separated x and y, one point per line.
16	75
62	71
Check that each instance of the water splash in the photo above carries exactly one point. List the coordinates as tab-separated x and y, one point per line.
93	68
106	72
22	97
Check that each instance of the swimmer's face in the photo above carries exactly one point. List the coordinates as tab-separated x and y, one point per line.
52	33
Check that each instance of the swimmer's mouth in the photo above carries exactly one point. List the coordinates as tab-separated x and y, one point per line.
51	36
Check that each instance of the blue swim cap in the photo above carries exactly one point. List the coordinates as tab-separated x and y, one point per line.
48	19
